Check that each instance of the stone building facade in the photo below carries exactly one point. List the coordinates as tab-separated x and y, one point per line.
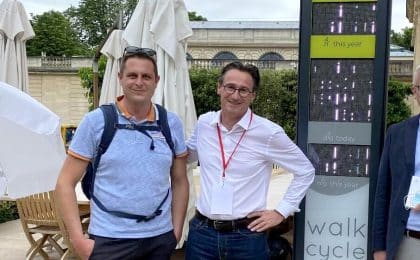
244	39
55	82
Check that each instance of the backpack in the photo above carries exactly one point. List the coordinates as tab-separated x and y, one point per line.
110	127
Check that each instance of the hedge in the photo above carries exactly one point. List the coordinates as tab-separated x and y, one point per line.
276	98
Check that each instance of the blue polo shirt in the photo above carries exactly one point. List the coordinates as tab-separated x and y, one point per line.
131	177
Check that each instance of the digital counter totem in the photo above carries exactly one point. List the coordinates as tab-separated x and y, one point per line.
343	59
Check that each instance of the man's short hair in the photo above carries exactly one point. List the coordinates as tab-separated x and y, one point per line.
248	68
140	53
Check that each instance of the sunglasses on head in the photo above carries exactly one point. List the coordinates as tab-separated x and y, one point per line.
133	50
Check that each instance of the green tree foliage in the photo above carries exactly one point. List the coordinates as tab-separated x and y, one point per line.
403	38
203	84
397	109
193	16
93	18
277	98
86	76
54	36
8	211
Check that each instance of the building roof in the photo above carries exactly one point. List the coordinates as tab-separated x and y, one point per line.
398	51
226	25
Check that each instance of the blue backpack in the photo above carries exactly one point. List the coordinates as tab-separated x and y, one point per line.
111	125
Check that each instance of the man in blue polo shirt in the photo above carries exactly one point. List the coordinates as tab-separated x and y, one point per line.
131	177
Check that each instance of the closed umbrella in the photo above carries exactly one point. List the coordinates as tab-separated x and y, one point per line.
113	49
31	150
15	30
163	25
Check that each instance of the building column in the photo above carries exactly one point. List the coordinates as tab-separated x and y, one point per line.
416	32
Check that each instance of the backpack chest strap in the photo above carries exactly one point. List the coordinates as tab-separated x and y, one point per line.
142	129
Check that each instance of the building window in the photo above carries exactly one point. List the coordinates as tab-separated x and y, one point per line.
222	58
268	60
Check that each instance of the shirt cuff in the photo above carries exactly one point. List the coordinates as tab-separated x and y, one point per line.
286	209
182	155
192	156
78	156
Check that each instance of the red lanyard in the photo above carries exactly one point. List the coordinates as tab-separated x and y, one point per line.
222	150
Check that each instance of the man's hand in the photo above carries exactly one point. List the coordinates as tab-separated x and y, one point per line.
379	255
266	219
83	247
178	234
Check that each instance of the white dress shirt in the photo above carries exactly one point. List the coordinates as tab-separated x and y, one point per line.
249	170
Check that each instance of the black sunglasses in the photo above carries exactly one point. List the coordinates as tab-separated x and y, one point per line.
133	50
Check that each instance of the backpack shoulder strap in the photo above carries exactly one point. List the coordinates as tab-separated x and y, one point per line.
110	118
166	131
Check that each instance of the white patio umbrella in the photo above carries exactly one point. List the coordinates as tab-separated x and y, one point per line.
163	25
31	150
113	49
15	30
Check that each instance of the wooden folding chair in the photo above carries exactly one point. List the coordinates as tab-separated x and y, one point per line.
39	216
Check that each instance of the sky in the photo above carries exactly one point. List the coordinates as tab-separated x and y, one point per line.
229	10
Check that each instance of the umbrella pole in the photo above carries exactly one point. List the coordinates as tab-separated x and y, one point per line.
95	83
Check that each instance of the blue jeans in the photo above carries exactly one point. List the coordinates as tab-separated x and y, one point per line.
206	243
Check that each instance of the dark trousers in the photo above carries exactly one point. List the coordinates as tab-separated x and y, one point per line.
159	247
206	243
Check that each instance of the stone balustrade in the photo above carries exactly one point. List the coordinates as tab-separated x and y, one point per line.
397	68
52	63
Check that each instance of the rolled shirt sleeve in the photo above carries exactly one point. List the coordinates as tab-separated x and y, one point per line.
283	152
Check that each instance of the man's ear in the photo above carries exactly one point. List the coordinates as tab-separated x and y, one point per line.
414	89
254	95
218	88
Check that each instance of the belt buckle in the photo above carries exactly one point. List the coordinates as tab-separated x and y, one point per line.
221	225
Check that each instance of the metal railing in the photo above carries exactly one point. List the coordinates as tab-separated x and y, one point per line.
218	63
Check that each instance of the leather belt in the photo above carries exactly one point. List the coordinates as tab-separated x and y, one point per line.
225	225
412	233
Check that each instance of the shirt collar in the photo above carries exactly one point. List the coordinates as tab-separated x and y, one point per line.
151	114
243	122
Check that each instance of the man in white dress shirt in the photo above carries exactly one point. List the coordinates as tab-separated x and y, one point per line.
236	150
